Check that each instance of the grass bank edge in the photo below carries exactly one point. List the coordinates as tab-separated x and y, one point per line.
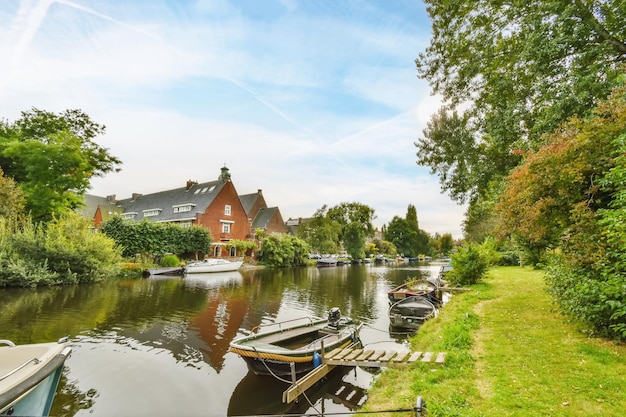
477	381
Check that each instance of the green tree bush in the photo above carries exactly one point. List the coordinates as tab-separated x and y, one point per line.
284	250
53	158
147	239
65	251
469	265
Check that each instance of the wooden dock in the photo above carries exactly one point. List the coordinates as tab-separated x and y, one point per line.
358	357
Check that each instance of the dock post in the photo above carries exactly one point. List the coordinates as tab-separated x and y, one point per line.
419	406
294	380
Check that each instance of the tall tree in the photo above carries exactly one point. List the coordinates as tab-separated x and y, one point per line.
53	158
515	70
11	198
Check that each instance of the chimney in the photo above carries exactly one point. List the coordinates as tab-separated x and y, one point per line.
135	195
190	183
111	199
259	191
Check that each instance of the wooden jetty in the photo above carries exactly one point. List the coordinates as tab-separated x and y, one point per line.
358	357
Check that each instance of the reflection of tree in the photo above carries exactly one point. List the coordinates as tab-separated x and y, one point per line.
69	400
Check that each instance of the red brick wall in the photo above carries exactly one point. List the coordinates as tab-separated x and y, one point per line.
240	229
97	218
277	224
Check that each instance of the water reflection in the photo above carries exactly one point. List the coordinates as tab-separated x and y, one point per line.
160	346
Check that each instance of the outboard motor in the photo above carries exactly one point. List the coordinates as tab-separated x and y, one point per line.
334	316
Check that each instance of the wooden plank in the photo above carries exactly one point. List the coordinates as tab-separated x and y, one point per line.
401	356
427	357
441	357
414	356
306	382
366	354
332	353
377	355
342	354
387	357
353	354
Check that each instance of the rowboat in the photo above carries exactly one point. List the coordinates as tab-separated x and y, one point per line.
409	313
414	288
296	346
29	375
212	265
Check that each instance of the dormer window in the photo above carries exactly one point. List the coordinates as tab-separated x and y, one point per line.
181	208
128	216
151	212
227	210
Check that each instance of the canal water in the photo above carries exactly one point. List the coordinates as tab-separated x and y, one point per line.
159	346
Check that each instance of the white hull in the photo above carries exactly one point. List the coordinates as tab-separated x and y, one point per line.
212	265
29	375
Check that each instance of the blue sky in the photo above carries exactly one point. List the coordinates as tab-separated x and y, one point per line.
313	101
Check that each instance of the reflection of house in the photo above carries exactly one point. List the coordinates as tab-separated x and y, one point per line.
261	217
214	205
217	325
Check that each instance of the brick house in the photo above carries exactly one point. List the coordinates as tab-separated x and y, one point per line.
262	217
214	205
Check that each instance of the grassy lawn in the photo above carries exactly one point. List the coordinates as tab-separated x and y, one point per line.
510	353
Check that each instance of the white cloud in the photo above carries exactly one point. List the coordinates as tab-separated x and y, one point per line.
315	103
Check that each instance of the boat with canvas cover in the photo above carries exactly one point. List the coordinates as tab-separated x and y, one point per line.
212	265
300	342
29	375
410	313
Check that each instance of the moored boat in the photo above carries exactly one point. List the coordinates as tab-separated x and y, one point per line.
273	351
413	288
409	313
327	262
29	375
212	265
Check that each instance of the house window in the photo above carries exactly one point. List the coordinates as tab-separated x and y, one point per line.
226	228
185	223
183	208
129	215
227	210
150	213
233	251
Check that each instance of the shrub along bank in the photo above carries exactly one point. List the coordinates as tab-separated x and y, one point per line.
509	353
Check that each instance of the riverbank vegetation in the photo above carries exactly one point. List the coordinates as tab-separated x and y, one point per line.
531	134
65	250
509	352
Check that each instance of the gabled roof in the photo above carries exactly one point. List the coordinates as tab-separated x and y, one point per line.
248	200
92	202
263	217
198	196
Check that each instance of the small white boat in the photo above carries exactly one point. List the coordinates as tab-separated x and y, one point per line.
212	265
29	375
288	348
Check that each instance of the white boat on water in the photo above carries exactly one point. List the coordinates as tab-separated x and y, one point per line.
212	265
29	375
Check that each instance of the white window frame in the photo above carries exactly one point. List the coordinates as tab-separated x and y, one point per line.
227	210
182	208
129	215
151	212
